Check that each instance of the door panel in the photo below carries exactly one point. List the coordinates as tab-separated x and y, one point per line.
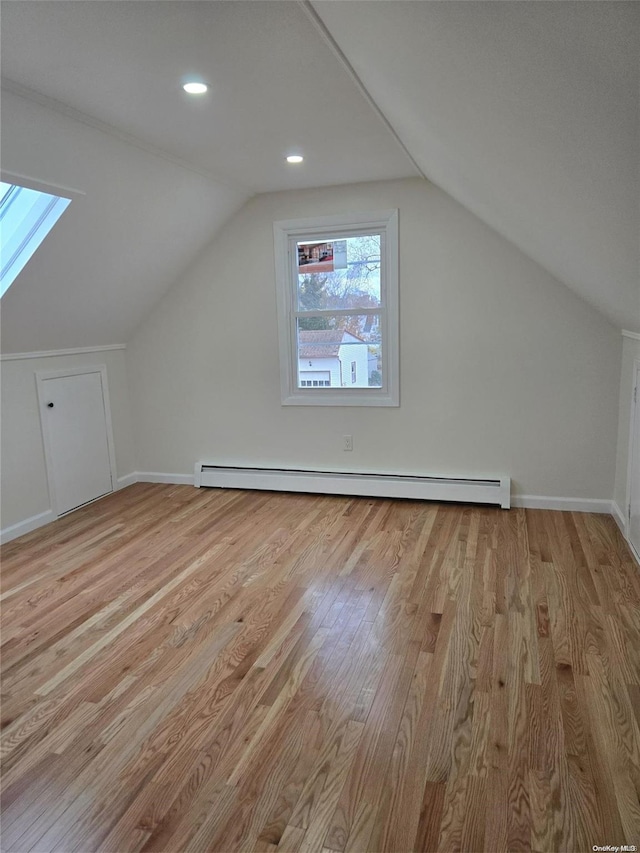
77	430
634	472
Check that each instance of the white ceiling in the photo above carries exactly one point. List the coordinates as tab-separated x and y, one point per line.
117	248
526	113
275	85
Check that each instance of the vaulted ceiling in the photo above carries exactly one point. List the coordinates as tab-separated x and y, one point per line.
526	113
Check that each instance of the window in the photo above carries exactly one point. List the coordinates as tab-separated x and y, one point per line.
26	217
337	287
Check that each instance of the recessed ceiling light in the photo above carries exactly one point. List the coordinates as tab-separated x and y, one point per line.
195	88
294	158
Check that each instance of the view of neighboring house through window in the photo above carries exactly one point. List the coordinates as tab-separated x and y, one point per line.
338	279
338	324
26	217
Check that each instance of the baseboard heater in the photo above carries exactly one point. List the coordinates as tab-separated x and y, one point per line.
462	490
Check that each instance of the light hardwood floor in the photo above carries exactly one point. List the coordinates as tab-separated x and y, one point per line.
192	670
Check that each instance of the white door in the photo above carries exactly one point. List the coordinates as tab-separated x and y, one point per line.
634	467
77	439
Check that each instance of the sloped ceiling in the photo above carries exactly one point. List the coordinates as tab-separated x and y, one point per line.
275	85
135	225
93	101
526	113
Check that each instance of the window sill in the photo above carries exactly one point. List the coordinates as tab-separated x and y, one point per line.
349	398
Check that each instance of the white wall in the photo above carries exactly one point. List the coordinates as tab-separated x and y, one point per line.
503	369
24	478
630	352
118	247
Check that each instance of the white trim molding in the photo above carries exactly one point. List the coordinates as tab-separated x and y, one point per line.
21	528
54	353
634	335
169	479
39	185
623	524
634	413
127	480
154	477
562	504
619	518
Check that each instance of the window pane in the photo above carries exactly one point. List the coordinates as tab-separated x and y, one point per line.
339	274
26	217
339	351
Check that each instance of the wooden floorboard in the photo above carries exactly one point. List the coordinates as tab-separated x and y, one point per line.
216	670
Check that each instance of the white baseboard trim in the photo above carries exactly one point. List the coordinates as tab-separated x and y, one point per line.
127	480
618	516
154	477
26	526
173	479
566	504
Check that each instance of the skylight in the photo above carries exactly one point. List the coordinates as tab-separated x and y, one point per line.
26	217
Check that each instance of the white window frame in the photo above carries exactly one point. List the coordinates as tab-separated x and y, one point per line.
286	235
